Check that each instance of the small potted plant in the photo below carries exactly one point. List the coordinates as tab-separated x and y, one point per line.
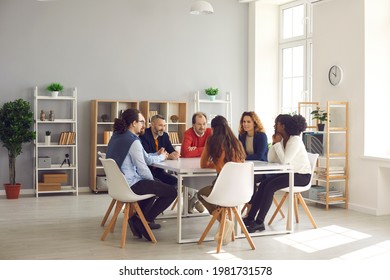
211	92
55	88
16	119
321	116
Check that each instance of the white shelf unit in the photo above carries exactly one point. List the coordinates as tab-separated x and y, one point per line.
332	167
65	110
220	106
103	114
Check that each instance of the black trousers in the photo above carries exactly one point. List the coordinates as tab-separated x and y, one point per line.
152	207
262	199
163	176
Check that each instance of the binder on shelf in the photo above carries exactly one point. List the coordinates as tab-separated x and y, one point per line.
107	136
67	138
174	137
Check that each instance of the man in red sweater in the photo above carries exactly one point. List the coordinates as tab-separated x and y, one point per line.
194	139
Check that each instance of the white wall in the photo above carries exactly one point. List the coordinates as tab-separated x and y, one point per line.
119	49
263	61
339	38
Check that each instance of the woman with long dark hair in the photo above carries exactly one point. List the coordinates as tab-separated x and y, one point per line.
221	147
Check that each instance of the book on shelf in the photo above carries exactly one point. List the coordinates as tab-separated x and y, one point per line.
67	138
174	137
332	171
151	114
107	136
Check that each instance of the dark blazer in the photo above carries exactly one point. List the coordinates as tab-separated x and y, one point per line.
260	146
147	141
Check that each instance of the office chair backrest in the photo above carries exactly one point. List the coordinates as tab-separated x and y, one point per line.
118	188
234	185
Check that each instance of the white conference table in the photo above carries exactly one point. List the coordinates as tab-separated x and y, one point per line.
190	168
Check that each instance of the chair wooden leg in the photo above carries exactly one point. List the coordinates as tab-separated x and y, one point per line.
108	212
230	215
247	208
243	228
118	208
304	205
221	229
208	227
278	208
144	222
174	204
124	224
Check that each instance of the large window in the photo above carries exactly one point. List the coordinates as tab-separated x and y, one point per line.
295	56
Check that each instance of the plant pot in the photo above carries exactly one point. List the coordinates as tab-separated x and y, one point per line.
212	97
321	126
54	94
12	191
47	139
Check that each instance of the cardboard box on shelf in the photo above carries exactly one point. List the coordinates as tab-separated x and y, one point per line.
55	178
49	187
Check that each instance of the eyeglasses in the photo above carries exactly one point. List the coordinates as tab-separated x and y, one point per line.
143	121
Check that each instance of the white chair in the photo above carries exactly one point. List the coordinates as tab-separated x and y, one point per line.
298	196
119	189
113	201
233	187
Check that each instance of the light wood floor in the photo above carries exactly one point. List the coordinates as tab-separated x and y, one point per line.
68	228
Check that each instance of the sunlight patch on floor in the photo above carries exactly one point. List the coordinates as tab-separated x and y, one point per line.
322	238
223	255
379	251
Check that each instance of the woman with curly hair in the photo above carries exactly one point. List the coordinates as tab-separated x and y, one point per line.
252	135
221	147
287	148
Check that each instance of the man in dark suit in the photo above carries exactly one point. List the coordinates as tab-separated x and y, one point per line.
155	140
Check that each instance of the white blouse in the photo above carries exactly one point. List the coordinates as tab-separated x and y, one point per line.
295	154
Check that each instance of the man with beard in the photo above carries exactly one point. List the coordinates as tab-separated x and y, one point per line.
156	140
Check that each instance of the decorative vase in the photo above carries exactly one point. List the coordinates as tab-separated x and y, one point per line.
47	139
12	191
212	97
54	94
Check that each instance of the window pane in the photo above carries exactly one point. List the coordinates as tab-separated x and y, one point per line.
297	91
298	61
287	23
287	62
286	92
298	16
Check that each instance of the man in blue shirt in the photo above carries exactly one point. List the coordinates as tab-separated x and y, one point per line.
126	149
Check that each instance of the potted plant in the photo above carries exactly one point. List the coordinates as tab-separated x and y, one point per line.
321	116
55	88
211	92
16	119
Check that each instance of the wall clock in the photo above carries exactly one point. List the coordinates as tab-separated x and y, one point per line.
335	75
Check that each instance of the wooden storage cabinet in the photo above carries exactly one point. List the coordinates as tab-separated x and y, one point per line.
175	114
331	176
50	157
103	114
